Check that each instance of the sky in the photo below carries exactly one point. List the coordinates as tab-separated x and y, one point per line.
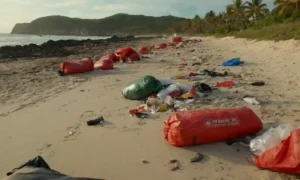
20	11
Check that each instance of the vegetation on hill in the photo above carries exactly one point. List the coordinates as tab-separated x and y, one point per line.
249	19
119	24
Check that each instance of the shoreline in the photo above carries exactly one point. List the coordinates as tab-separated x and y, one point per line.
60	48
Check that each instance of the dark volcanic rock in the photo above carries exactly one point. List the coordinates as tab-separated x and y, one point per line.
60	48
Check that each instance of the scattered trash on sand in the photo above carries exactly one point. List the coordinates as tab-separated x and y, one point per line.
95	122
251	100
198	157
145	161
142	115
233	62
258	83
276	149
228	84
175	164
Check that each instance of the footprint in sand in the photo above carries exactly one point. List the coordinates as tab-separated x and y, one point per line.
45	147
88	113
73	132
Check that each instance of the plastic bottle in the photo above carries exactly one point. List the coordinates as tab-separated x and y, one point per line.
94	122
165	92
270	139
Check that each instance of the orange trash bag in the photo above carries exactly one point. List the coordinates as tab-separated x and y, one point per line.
74	67
177	39
144	50
104	64
123	52
110	56
285	157
134	56
186	128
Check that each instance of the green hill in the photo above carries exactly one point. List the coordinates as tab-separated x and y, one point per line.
119	24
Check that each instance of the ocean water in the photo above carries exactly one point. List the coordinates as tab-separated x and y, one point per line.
20	39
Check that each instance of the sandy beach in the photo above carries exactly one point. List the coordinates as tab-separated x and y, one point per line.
39	109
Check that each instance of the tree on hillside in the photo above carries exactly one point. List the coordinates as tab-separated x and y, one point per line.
256	9
186	26
210	16
196	24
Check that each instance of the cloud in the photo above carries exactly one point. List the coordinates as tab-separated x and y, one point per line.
66	4
18	11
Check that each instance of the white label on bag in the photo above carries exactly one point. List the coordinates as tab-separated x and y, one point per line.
222	122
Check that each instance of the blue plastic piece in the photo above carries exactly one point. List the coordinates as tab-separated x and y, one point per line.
232	62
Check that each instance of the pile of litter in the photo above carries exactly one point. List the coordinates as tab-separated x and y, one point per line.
160	95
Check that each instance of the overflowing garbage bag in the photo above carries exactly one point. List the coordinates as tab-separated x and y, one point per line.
142	88
187	128
38	169
74	67
285	157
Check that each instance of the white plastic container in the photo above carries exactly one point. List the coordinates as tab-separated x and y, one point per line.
165	81
184	88
270	139
252	100
165	92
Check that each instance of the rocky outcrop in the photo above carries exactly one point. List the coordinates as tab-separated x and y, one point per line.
51	48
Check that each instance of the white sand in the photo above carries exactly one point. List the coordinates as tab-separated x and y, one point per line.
37	118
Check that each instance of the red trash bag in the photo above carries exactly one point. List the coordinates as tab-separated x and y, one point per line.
283	158
123	52
160	46
104	64
134	56
144	50
196	127
177	39
74	67
110	56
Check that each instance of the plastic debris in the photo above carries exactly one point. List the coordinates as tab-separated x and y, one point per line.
198	157
251	100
